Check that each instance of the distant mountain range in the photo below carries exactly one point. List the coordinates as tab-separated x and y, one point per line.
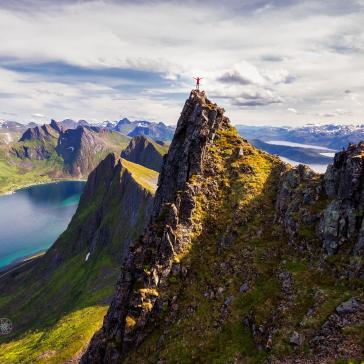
298	154
267	138
72	149
156	131
331	135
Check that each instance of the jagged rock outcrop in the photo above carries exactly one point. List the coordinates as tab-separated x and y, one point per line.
45	132
342	223
56	126
331	205
167	235
37	143
146	152
231	268
299	189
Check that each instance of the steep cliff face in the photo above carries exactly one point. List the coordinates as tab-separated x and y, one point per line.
77	147
232	266
146	152
118	206
75	278
342	224
84	147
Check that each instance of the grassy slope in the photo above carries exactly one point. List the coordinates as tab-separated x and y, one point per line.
75	294
201	327
15	173
161	149
144	176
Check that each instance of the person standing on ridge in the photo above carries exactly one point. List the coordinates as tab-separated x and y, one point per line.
198	79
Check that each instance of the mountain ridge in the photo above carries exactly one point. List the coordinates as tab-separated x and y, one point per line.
212	267
145	151
243	259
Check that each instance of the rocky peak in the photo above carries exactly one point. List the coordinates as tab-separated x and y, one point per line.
109	184
144	151
56	126
76	146
40	133
195	130
169	232
344	178
124	121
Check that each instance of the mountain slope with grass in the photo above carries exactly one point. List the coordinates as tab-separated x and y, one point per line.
57	302
52	151
245	259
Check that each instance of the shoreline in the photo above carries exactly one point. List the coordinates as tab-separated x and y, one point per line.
42	183
21	262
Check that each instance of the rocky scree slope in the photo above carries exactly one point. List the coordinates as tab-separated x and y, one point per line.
146	152
233	266
61	296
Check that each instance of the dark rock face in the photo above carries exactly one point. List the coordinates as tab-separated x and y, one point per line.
41	133
338	221
136	304
56	125
342	221
37	143
78	146
143	151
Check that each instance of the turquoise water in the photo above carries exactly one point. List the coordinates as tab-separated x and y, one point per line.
32	218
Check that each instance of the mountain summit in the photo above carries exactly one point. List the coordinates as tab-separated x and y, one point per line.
235	264
168	234
243	259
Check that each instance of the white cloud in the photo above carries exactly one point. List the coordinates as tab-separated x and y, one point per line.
262	60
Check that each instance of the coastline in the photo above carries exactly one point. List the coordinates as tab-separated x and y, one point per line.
23	261
20	263
20	187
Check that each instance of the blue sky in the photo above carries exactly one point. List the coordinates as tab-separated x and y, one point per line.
266	62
